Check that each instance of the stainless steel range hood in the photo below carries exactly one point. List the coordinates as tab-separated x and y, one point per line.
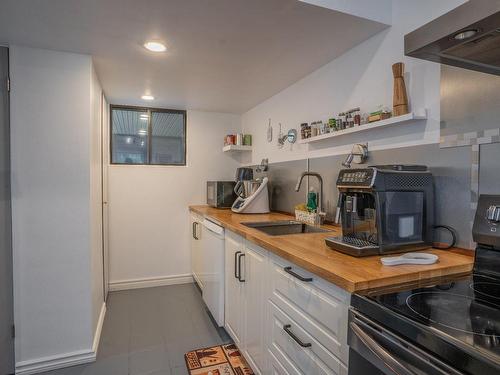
467	37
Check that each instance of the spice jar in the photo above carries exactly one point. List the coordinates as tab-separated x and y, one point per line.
332	123
314	129
357	118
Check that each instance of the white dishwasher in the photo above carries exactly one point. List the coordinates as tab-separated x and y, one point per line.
213	270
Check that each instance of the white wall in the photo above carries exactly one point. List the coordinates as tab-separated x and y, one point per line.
361	77
96	245
50	135
148	204
149	230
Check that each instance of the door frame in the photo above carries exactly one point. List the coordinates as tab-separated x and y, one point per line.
104	197
7	330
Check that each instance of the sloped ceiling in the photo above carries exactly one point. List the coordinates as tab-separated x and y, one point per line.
223	55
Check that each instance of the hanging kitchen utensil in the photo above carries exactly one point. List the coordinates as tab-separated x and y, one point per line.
269	132
281	138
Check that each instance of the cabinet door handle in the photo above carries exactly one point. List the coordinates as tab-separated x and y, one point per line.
236	276
286	328
194	230
297	276
239	267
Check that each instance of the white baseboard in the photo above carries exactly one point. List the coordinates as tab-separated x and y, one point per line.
98	330
35	366
38	365
197	281
150	282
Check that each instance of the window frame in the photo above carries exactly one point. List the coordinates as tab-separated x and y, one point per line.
150	111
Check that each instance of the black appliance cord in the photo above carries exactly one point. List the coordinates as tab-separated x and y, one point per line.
453	237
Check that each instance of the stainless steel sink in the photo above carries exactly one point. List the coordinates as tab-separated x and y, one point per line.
280	228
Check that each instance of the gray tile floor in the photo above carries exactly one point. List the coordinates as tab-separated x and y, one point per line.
147	331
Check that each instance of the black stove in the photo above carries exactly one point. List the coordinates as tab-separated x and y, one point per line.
451	327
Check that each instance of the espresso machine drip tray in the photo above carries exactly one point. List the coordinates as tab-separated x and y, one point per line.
352	245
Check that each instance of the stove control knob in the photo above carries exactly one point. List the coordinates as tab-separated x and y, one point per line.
493	214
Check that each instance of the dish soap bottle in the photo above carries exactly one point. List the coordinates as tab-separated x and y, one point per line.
312	200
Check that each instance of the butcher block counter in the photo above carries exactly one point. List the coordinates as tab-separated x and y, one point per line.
310	252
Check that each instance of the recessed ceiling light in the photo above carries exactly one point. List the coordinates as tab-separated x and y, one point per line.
148	97
155	46
466	34
142	131
144	116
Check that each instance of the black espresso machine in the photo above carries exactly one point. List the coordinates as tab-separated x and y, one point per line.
384	209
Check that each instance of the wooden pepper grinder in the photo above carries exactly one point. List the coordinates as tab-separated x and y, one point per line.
400	99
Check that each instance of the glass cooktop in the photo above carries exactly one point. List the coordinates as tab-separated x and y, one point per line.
466	311
456	320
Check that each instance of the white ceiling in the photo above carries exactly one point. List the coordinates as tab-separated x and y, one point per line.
223	55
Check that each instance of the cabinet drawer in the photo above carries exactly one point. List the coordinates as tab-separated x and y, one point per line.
294	358
316	305
277	368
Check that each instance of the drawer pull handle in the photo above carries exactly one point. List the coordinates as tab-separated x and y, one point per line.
296	275
286	328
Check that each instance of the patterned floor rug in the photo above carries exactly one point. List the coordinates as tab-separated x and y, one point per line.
217	360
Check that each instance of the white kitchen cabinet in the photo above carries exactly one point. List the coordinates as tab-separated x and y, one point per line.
319	307
272	307
234	309
246	269
298	349
196	248
255	274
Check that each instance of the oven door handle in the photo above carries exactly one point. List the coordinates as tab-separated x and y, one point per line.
382	354
394	352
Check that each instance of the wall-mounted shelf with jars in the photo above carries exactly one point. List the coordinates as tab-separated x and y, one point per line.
398	120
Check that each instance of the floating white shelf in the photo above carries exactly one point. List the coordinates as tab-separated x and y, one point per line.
412	116
229	148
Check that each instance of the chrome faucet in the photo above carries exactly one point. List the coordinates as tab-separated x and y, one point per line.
320	179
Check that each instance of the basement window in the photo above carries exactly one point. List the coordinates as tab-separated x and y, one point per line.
148	136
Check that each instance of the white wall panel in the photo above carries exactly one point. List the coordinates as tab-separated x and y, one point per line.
50	117
362	77
149	218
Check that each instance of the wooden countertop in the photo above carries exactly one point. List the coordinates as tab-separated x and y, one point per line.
310	252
